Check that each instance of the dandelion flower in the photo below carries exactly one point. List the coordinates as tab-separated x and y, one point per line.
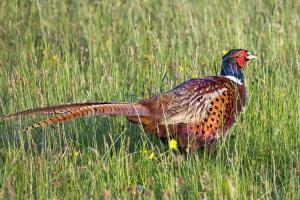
76	154
224	52
173	144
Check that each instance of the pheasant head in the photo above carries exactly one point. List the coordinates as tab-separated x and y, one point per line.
234	61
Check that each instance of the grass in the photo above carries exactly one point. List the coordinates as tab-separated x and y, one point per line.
56	51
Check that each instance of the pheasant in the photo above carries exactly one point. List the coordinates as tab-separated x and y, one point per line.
196	113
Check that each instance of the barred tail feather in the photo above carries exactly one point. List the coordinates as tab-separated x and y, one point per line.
57	109
121	109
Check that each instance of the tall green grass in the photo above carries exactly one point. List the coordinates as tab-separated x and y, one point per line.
59	51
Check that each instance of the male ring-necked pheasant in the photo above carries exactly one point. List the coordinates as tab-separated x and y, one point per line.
196	113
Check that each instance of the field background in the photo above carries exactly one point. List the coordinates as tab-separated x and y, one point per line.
58	51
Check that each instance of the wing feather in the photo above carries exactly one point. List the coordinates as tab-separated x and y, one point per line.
190	102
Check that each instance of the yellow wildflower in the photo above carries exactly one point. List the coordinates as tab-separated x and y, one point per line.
76	154
194	76
280	94
224	51
55	58
144	152
173	144
149	155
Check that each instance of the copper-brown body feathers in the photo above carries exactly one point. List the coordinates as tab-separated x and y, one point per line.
197	112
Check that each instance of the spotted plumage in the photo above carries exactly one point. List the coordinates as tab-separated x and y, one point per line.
197	112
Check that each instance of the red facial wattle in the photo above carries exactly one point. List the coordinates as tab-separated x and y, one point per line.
241	61
241	58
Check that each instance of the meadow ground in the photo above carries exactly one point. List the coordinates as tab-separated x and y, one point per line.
54	52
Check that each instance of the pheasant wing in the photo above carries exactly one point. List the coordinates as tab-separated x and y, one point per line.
191	101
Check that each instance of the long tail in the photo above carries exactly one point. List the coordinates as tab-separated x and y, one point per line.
57	109
69	112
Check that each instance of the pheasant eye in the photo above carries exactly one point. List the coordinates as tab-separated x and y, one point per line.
240	55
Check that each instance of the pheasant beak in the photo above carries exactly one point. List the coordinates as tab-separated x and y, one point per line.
250	56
